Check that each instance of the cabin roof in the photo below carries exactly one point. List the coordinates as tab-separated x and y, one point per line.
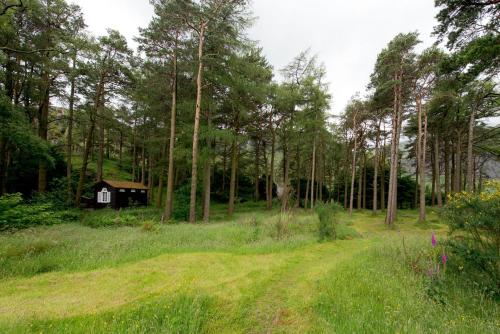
125	184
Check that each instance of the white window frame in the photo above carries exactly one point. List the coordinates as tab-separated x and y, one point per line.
104	196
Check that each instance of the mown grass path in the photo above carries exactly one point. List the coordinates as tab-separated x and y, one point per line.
273	289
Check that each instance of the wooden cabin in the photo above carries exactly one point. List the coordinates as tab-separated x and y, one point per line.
119	194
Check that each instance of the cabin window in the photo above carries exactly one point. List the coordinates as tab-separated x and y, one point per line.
132	191
122	190
104	196
143	191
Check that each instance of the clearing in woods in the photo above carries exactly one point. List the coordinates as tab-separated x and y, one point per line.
245	275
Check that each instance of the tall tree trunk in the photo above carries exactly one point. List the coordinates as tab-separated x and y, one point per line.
232	183
313	170
382	175
159	191
69	144
417	185
286	180
256	195
353	173
438	172
196	132
207	166
85	158
433	183
297	158
359	197
134	152
171	150
470	155
100	155
143	156
224	167
376	162
447	183
269	204
89	140
421	151
43	121
393	173
150	178
364	182
308	186
458	163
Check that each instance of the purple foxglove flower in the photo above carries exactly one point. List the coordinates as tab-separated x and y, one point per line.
444	258
433	240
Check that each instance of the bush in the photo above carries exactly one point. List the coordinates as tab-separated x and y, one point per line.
327	228
14	213
475	229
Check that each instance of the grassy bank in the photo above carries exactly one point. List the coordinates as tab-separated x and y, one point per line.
259	272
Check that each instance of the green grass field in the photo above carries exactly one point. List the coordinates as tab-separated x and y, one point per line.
251	274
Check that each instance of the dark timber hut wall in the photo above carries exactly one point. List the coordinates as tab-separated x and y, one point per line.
119	194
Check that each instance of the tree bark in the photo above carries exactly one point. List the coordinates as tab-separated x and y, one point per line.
43	120
159	191
353	165
438	172
69	144
363	205
150	178
269	204
297	158
232	183
256	195
447	184
286	180
100	155
375	169
393	173
421	151
313	170
458	163
171	150
143	159
89	140
470	153
196	132
207	166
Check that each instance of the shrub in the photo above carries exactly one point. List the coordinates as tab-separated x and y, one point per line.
14	213
327	227
475	229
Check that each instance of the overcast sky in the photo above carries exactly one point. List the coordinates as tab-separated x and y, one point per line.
345	35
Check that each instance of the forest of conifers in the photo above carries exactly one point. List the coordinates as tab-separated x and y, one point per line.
199	115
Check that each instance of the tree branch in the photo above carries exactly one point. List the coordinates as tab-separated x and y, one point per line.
7	49
6	6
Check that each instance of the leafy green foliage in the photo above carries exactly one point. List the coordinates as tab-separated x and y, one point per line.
15	214
473	220
327	221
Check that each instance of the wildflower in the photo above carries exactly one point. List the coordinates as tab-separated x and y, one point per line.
444	259
433	240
